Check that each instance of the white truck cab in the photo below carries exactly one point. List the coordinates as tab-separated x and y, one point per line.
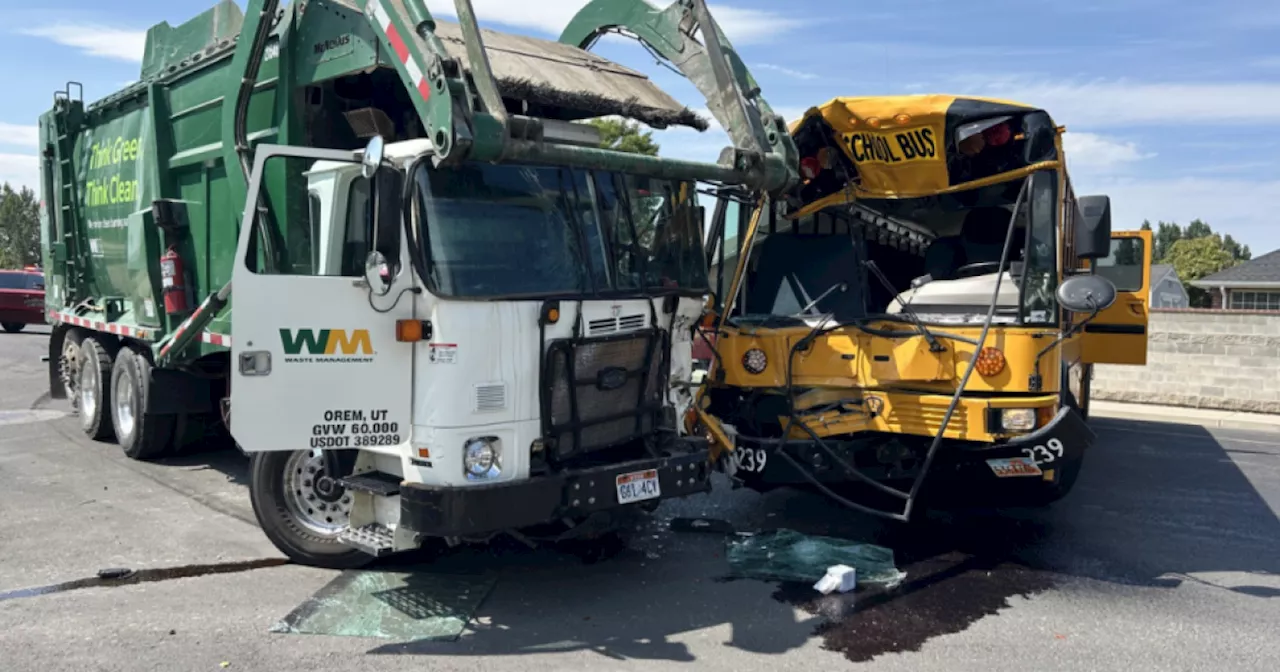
460	351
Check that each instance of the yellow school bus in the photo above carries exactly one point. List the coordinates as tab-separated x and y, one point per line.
920	316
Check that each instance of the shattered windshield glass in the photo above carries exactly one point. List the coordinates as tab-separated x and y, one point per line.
497	231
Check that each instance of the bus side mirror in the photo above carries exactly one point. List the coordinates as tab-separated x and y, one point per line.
1086	293
1093	227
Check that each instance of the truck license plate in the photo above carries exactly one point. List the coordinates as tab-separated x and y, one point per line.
638	486
1014	466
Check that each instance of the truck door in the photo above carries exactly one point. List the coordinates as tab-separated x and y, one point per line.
316	361
1118	335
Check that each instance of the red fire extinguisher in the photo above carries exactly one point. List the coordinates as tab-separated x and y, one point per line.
172	282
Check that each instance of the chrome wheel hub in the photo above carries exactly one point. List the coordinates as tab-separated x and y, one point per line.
124	408
88	383
313	497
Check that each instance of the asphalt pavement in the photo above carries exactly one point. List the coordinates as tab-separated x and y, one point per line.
1166	556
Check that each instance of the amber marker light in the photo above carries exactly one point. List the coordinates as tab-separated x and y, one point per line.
990	362
409	331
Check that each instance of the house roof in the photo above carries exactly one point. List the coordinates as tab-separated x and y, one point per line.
1158	271
1261	271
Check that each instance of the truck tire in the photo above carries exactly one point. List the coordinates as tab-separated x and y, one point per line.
287	517
13	327
69	367
93	389
142	435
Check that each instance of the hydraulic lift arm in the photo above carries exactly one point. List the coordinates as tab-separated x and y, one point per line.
760	137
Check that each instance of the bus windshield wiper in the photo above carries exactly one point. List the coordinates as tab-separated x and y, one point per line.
934	345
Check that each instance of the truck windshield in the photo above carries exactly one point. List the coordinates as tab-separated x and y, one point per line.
494	231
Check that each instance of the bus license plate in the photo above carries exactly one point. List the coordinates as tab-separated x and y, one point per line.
638	486
1013	467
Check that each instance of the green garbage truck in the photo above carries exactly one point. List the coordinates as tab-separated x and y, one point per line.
455	313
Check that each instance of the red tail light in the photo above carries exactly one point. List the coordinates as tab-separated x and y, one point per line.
810	167
997	135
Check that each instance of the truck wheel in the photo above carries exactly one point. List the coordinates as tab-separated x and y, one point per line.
143	436
13	327
93	385
301	520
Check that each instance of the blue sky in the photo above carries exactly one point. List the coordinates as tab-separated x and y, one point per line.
1172	109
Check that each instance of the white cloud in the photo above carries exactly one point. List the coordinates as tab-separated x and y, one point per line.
1241	207
1111	103
19	135
95	39
1098	153
747	26
786	71
20	170
742	25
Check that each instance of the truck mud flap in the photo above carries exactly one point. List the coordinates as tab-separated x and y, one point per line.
174	392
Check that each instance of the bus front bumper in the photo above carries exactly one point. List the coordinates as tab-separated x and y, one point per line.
1035	455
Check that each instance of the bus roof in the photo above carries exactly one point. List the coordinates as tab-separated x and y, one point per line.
894	147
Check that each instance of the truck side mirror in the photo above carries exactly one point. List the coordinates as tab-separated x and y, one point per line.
1093	227
377	274
371	160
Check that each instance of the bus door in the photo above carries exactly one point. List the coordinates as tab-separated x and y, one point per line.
1118	335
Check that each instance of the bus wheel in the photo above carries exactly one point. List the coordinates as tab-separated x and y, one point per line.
142	435
13	327
301	519
93	385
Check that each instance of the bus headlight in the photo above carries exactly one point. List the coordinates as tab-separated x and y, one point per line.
754	361
481	458
1018	419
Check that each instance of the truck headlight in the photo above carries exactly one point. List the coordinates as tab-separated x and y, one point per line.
1018	419
481	458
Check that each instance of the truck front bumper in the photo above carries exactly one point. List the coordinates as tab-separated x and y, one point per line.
439	511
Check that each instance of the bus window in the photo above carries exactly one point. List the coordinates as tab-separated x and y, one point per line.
1123	266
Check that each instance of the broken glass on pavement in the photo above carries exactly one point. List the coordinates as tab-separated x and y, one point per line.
787	555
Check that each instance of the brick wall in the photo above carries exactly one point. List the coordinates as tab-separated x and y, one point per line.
1227	360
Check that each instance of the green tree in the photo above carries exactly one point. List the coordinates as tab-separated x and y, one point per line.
625	136
1238	251
1166	235
19	227
1197	229
1195	258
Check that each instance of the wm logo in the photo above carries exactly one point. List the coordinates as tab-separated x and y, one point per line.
326	341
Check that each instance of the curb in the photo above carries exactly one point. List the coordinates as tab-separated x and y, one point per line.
1251	422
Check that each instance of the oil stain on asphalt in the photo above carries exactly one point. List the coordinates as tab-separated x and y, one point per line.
959	570
110	578
942	595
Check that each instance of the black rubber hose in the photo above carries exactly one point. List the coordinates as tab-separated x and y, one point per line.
973	361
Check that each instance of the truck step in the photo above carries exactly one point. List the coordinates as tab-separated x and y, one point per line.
376	482
375	539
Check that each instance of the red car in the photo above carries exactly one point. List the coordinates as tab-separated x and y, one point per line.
21	299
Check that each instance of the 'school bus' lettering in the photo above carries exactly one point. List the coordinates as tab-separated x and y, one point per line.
912	144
